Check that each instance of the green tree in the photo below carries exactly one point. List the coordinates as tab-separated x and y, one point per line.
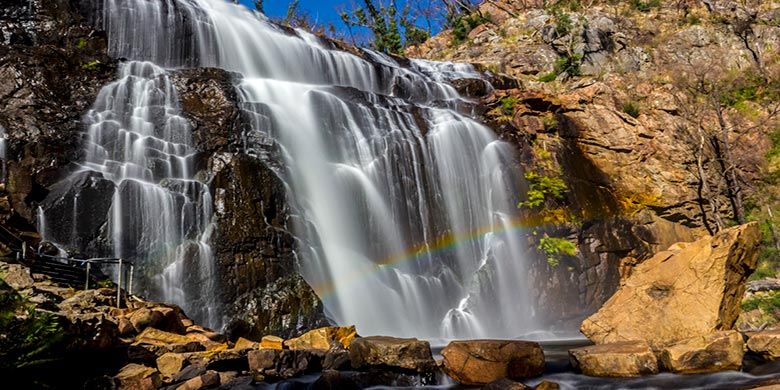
392	29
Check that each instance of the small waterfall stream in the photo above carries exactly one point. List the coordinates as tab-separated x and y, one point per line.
406	207
160	216
3	146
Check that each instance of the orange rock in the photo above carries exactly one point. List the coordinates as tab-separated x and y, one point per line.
692	290
324	338
621	359
272	342
479	362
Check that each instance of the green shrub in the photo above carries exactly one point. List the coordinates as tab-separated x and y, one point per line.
463	24
548	77
415	36
542	188
550	123
555	248
569	64
508	104
768	303
631	108
563	23
645	6
92	65
82	43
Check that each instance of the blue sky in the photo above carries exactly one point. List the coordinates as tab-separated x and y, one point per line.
323	12
324	9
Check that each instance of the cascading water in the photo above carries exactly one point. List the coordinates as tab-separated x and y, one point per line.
2	153
407	217
159	215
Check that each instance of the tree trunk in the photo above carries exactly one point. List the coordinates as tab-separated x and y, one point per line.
705	193
728	168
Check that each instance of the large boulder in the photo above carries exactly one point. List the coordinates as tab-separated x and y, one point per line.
138	377
479	362
208	380
161	342
323	338
391	352
766	344
172	364
687	291
719	351
618	360
16	275
273	364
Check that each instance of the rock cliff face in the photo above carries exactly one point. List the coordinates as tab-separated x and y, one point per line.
259	284
55	62
607	103
52	63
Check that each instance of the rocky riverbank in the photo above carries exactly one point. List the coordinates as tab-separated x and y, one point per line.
675	326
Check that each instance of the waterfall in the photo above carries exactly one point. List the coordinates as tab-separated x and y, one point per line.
406	207
3	156
159	216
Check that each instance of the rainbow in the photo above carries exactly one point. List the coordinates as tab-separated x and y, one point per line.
426	250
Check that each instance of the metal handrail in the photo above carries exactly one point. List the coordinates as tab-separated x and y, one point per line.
102	260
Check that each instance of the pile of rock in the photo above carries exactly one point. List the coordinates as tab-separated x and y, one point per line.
676	312
155	345
346	361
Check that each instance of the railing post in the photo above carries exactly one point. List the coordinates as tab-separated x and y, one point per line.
86	282
119	286
130	281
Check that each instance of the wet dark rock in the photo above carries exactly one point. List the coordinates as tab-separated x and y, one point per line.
189	372
472	87
334	380
260	283
336	360
90	195
209	100
45	92
274	365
